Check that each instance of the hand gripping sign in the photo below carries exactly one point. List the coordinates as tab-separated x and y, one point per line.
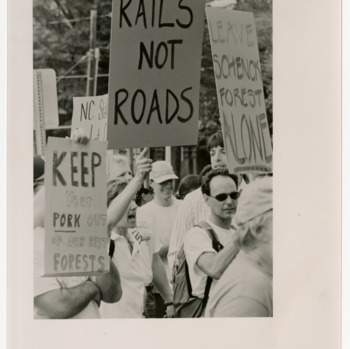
76	236
154	73
240	90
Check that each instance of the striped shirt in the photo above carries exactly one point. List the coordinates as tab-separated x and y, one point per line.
192	210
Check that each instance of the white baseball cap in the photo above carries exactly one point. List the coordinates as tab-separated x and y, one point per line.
162	171
256	199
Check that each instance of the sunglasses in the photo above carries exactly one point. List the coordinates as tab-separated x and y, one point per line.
222	197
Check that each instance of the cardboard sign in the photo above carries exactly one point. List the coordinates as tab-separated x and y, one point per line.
240	90
76	237
154	73
90	113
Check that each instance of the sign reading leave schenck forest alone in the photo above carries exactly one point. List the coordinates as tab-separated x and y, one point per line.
76	237
154	73
240	90
90	113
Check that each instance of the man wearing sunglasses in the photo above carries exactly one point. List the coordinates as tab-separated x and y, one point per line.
219	190
193	208
245	288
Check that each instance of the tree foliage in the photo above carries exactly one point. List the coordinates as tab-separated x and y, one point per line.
61	41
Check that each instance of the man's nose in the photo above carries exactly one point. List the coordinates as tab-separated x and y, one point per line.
218	156
229	200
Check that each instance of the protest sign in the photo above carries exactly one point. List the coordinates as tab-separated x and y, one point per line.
90	114
240	90
154	73
76	237
45	105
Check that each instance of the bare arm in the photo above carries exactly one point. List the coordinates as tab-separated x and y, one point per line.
118	206
63	303
163	252
160	280
214	264
110	285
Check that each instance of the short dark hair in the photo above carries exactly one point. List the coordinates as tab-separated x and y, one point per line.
203	172
213	173
215	140
114	188
142	190
188	184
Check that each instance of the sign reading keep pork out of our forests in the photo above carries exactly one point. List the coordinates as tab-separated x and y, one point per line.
154	72
76	238
240	90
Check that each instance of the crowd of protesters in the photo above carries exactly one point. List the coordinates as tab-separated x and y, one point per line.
149	225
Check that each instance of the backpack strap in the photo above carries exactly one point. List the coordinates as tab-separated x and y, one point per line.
217	247
211	232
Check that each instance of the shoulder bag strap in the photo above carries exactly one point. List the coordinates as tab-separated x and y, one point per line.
217	247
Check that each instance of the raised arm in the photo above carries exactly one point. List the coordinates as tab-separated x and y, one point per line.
119	205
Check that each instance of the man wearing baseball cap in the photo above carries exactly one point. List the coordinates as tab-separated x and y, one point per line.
158	216
245	288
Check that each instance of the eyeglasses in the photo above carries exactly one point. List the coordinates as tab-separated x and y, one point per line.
222	197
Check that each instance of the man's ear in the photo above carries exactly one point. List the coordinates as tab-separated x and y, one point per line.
206	199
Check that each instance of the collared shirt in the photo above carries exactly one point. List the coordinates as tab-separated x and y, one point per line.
135	274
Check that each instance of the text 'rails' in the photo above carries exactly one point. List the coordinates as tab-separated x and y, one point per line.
152	13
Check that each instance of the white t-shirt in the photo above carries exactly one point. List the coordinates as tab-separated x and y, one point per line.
193	209
197	241
45	284
134	276
160	220
243	283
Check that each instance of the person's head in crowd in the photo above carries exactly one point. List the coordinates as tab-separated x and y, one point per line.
143	196
188	184
203	172
114	188
162	180
254	218
39	170
220	193
217	152
121	168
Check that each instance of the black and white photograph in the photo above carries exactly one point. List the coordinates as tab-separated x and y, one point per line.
175	218
174	156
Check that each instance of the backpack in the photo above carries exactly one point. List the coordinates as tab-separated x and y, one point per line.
185	304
